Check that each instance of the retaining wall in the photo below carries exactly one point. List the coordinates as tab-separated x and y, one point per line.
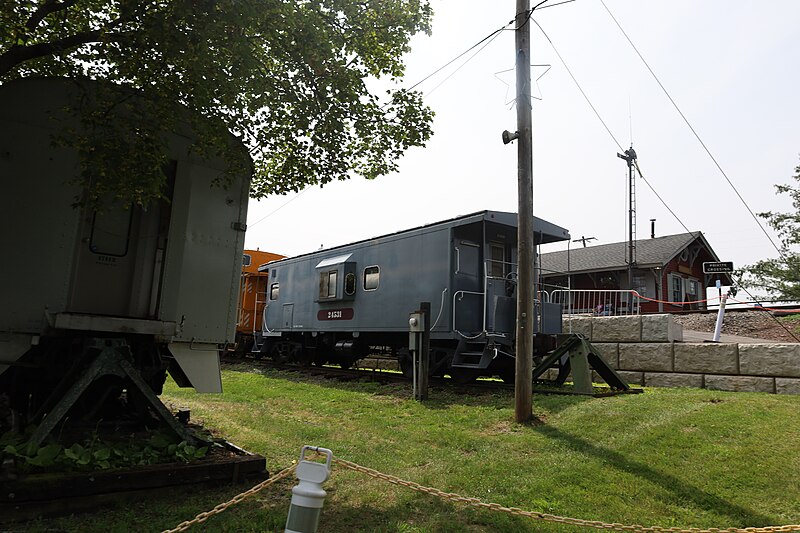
649	350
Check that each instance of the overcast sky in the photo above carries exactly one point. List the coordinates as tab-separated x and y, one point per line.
730	65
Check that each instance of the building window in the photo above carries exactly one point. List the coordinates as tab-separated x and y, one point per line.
372	277
246	260
350	284
677	289
640	285
692	290
327	284
274	291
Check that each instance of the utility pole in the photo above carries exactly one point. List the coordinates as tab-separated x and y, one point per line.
526	282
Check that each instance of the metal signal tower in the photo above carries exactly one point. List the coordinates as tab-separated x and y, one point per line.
630	158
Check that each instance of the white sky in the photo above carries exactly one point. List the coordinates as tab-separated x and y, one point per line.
731	66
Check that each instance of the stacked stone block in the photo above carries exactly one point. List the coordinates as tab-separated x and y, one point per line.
648	350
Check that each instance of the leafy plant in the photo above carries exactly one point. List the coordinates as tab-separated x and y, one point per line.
96	453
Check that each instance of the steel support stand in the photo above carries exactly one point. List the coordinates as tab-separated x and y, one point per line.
110	360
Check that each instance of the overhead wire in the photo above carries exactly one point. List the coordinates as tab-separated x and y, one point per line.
487	39
710	155
619	145
697	136
603	122
496	34
491	36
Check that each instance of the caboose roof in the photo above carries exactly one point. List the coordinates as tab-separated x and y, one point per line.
544	232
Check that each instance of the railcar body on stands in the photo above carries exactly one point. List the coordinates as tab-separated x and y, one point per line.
96	302
341	304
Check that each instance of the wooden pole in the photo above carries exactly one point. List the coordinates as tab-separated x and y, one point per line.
526	290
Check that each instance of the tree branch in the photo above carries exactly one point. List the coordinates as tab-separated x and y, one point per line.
50	6
19	54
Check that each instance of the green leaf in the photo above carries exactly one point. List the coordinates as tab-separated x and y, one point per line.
102	454
74	452
159	441
46	455
11	450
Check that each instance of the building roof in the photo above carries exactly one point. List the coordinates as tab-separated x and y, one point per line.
650	253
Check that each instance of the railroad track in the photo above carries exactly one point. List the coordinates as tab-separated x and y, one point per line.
385	375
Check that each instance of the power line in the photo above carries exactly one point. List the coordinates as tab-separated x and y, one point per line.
603	122
287	202
694	132
488	39
493	37
462	54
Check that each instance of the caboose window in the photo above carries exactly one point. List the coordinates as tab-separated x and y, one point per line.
327	284
246	259
497	260
111	231
274	291
371	278
350	284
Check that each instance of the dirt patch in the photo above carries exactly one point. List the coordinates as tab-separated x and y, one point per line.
757	324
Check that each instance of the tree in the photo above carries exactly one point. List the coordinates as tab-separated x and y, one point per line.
781	276
287	77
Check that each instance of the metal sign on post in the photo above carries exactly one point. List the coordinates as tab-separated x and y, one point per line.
419	345
717	267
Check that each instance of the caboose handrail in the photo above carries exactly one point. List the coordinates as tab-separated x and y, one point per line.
483	325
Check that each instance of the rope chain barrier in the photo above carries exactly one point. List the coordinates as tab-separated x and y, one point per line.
635	294
475	502
202	517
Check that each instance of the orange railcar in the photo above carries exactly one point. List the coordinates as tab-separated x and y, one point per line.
252	293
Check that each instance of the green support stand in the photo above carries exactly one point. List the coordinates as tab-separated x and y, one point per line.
577	355
111	360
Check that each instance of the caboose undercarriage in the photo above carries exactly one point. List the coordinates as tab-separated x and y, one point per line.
463	360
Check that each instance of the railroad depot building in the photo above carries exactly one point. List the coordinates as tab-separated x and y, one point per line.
668	269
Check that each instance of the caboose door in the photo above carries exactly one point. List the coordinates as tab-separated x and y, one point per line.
288	316
467	287
115	260
500	288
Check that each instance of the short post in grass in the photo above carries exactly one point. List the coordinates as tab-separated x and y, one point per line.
308	496
419	328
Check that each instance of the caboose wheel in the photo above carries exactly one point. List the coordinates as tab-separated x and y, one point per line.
405	362
464	375
283	352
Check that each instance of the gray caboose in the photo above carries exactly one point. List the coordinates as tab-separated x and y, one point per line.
339	305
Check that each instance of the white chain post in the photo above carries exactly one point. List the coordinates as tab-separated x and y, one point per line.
308	496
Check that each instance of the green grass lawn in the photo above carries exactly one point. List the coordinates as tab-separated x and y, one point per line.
792	322
668	457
